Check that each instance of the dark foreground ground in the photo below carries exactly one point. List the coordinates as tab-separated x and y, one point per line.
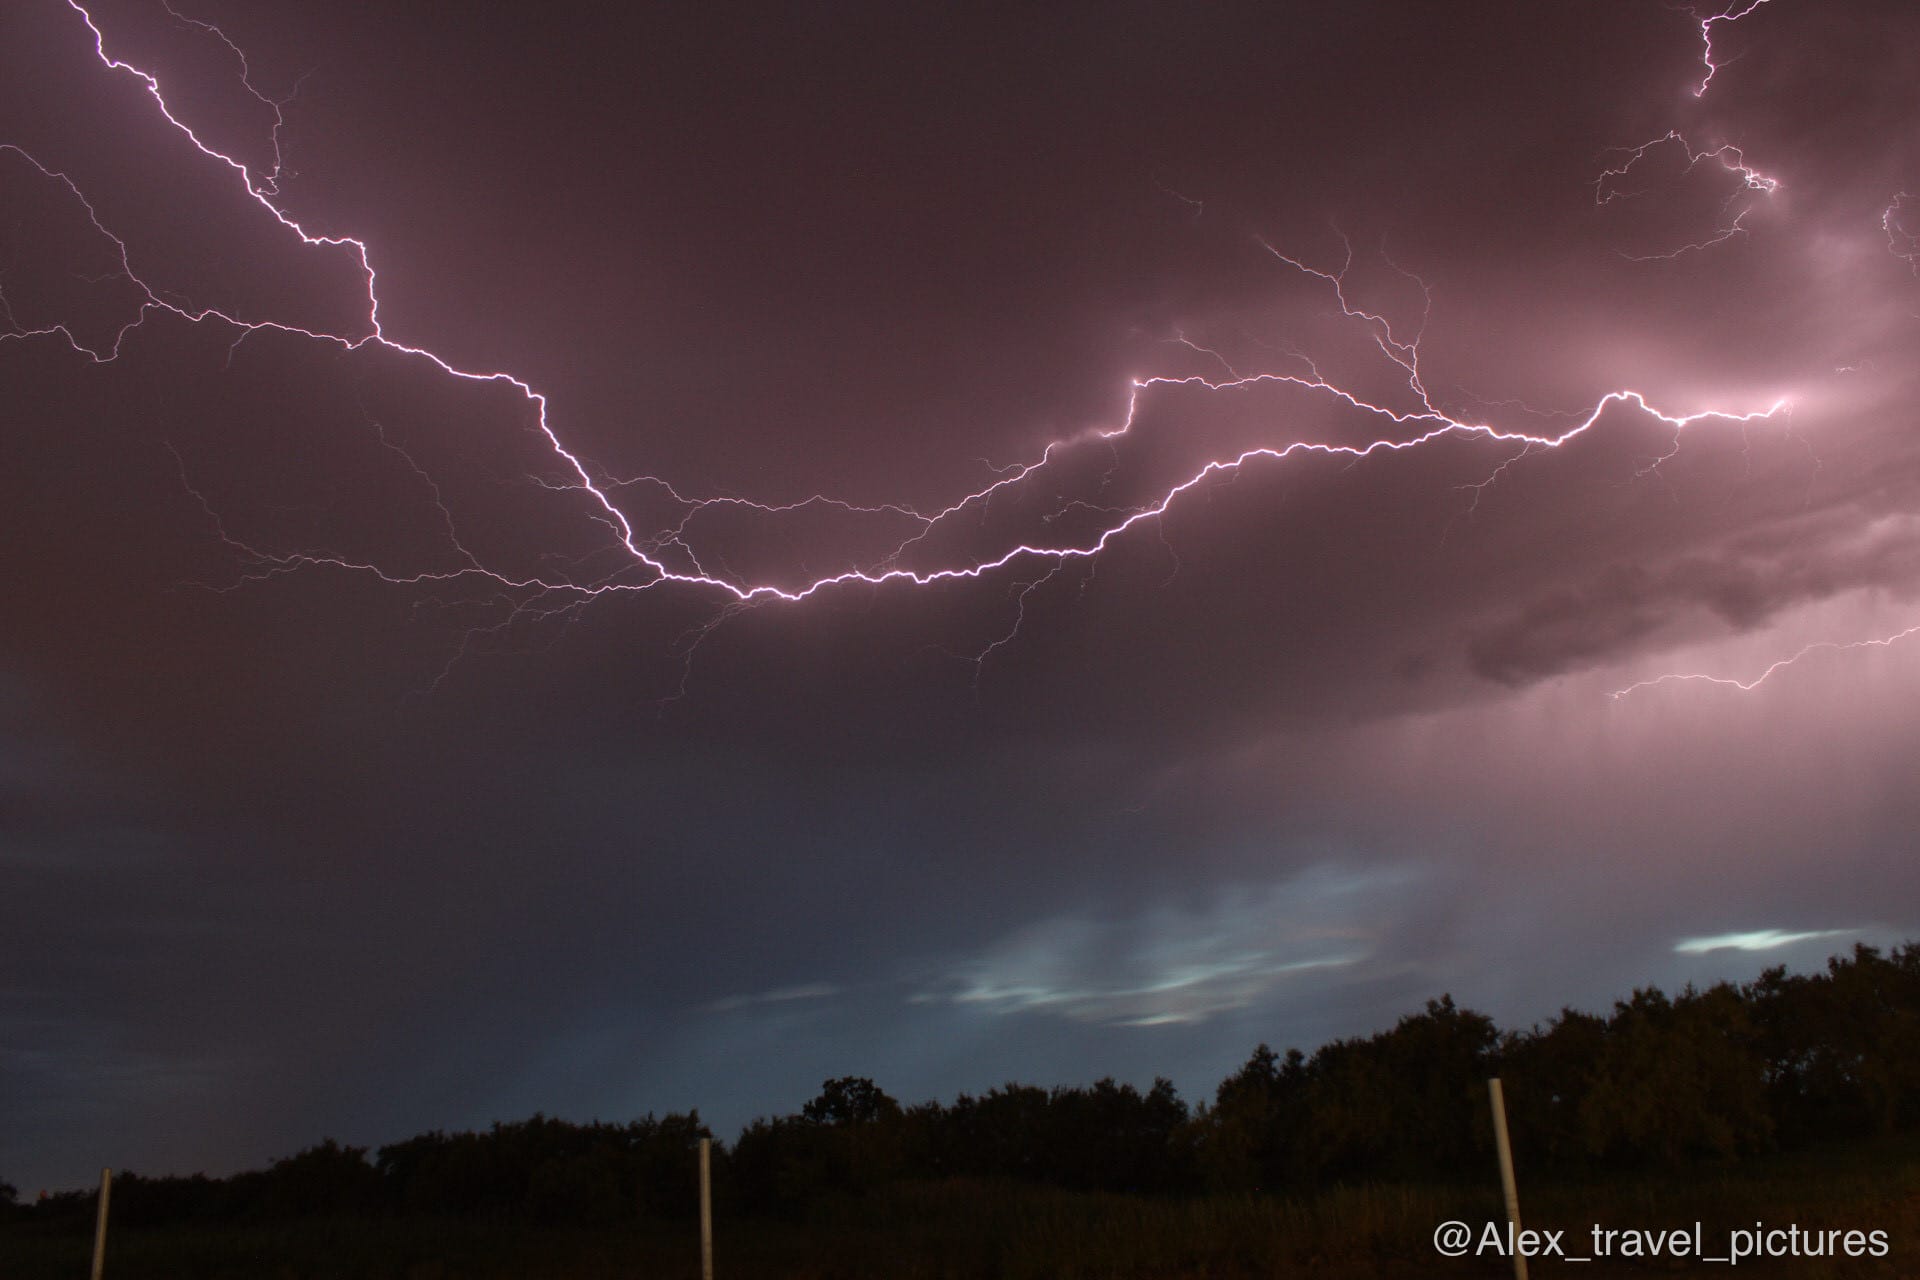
984	1231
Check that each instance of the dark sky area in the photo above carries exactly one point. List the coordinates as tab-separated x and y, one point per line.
366	768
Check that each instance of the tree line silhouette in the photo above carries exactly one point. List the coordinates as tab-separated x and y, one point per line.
1711	1075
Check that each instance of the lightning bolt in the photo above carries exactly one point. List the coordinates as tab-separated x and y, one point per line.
1609	187
1903	241
1903	237
1730	15
1409	420
1748	686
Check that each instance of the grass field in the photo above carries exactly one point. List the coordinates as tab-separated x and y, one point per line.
984	1231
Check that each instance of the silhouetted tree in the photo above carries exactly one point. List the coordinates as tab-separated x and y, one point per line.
1842	1047
549	1170
1677	1079
1245	1140
850	1100
1548	1076
139	1202
325	1179
1000	1134
1112	1137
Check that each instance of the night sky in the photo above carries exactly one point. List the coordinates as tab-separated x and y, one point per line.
372	761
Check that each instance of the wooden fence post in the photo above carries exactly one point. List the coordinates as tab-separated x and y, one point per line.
706	1209
1507	1187
100	1224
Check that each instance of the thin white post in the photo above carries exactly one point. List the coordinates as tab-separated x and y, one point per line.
100	1225
706	1209
1507	1186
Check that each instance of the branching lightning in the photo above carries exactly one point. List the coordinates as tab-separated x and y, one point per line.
1901	222
667	555
1610	187
1903	241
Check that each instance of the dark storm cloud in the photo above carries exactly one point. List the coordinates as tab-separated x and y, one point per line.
1740	585
310	853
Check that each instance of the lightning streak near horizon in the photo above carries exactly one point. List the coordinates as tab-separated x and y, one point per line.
666	555
1748	686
